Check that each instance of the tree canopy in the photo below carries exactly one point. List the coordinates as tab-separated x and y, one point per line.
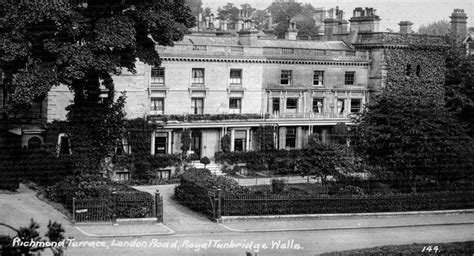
439	28
459	86
284	12
412	135
82	44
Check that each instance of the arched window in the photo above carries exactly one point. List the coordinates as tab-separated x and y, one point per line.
418	70
408	70
34	143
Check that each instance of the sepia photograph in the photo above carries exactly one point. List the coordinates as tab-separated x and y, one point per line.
236	127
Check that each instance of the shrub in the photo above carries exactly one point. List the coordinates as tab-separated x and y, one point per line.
279	186
130	203
205	161
195	183
39	166
351	190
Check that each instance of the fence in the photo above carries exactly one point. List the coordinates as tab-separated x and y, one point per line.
244	205
123	205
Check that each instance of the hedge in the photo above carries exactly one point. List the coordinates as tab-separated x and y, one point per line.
279	205
195	183
131	203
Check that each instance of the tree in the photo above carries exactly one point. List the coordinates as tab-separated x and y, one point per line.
205	161
195	6
185	141
230	12
459	86
27	234
412	135
264	138
82	44
439	28
284	12
324	160
225	143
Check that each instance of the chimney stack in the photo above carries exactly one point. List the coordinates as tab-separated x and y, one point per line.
458	25
292	32
364	20
405	27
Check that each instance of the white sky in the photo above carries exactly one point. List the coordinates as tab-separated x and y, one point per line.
390	11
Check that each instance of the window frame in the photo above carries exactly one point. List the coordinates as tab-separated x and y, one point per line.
349	77
237	79
359	109
342	109
196	109
153	105
157	80
286	75
295	107
316	99
237	106
198	79
319	80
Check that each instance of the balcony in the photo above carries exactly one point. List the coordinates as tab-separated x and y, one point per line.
216	118
308	115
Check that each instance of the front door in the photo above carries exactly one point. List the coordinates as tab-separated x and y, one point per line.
160	145
196	143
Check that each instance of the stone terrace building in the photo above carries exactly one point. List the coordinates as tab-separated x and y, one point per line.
216	84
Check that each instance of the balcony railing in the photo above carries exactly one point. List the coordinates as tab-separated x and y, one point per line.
186	118
309	115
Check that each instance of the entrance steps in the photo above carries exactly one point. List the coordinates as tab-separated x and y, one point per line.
213	167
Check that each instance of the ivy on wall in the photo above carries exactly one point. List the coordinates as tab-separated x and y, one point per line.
417	69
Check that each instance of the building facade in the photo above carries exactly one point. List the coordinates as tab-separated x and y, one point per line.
216	83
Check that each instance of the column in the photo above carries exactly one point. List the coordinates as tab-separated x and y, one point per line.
153	143
169	151
247	140
232	138
323	135
299	137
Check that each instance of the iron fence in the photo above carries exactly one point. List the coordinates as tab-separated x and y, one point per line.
122	205
244	205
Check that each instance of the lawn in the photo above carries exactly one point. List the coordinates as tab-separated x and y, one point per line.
460	248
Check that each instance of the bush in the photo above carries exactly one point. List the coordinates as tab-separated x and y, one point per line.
39	166
351	190
279	186
195	183
205	161
130	203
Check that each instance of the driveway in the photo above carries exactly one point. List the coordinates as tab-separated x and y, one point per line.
180	218
18	208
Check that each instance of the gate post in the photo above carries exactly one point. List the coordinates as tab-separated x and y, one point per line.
74	210
219	204
159	207
114	208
